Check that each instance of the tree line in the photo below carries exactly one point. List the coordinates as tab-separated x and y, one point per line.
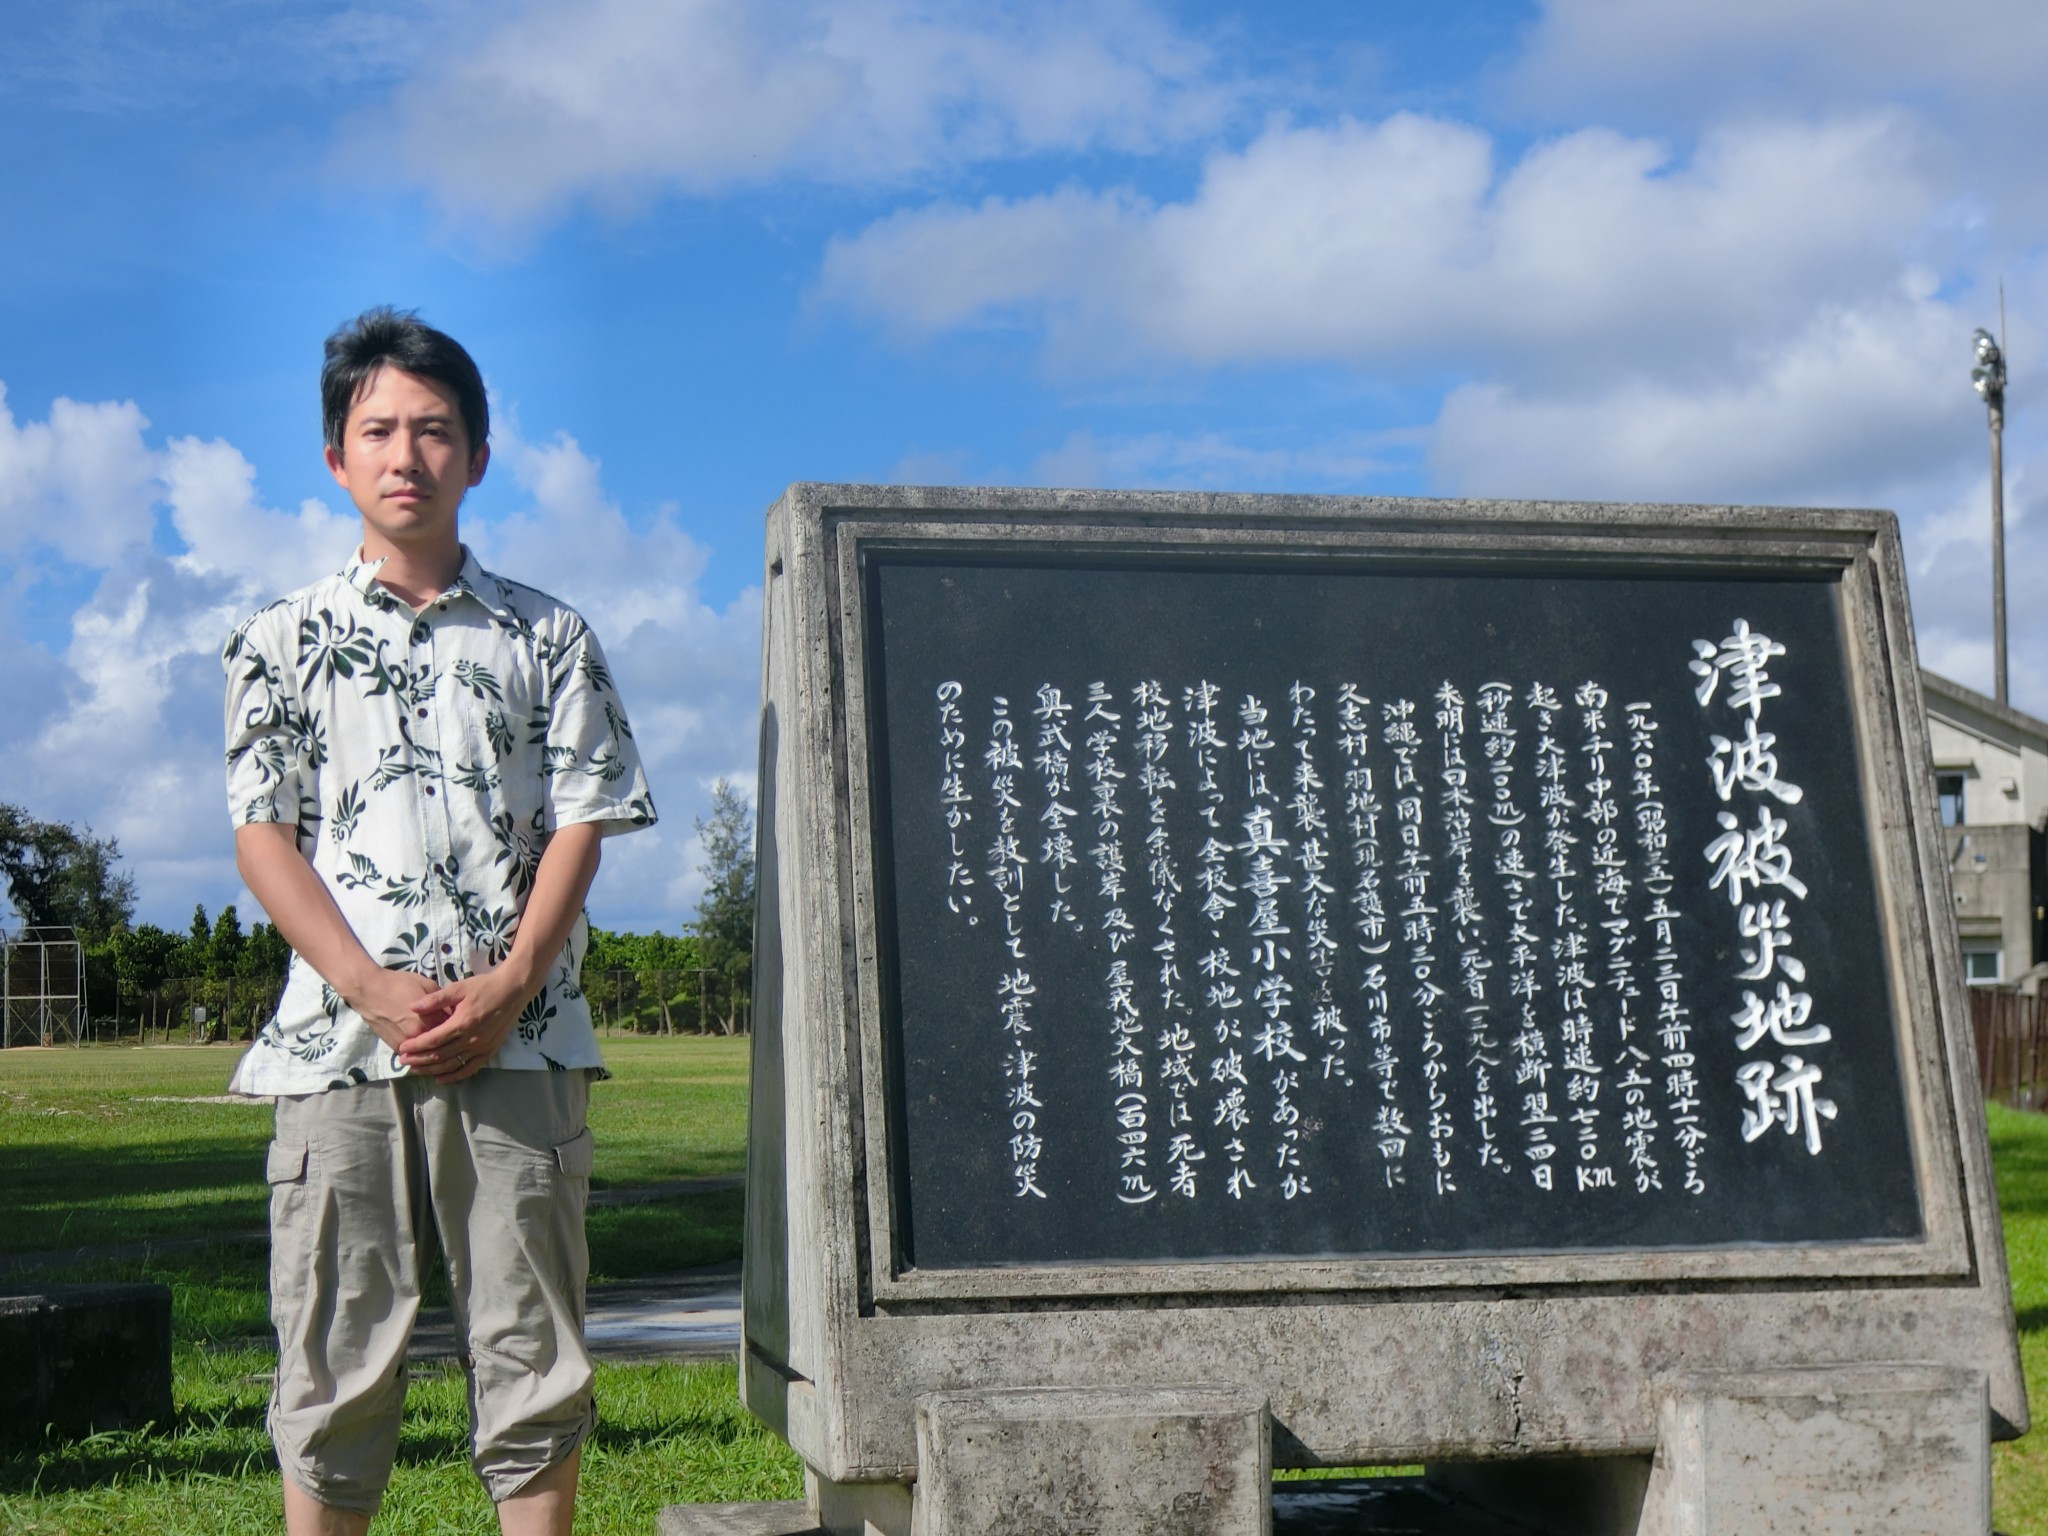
61	876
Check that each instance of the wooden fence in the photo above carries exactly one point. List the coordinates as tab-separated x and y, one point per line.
2012	1046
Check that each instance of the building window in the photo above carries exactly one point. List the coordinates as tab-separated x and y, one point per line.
1983	966
1948	789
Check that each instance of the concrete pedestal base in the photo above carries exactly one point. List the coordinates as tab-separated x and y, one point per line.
1191	1461
85	1357
1900	1450
1846	1451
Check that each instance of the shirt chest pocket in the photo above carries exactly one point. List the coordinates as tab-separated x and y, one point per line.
496	708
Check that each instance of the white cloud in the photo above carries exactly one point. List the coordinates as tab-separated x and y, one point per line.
1719	56
1968	72
1398	245
1847	408
118	725
619	99
78	485
211	489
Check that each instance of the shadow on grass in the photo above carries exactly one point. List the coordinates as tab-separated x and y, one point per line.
48	1191
2031	1318
230	1441
627	1241
125	1456
2019	1153
666	1235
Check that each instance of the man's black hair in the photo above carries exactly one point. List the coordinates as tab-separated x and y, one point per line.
399	337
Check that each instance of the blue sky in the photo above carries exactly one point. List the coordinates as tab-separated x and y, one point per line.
703	248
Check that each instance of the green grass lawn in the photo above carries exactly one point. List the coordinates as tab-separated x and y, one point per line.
89	1153
2019	1147
96	1147
114	1144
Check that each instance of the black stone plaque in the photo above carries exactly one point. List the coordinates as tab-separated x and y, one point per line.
1585	962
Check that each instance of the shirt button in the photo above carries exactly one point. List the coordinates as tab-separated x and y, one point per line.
430	791
447	949
422	714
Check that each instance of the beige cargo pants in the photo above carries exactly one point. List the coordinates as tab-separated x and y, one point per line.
362	1179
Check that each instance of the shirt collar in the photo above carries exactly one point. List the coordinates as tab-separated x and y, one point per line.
471	581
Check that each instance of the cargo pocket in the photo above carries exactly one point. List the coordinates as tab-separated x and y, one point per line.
577	1155
284	1169
286	1163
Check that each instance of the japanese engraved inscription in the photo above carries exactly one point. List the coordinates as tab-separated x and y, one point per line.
1346	911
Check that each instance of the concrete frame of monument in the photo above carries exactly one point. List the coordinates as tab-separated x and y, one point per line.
1368	1361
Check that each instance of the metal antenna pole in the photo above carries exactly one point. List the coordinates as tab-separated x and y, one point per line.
1998	552
1988	377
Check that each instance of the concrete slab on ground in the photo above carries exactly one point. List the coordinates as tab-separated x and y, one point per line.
692	1315
1365	1506
789	1518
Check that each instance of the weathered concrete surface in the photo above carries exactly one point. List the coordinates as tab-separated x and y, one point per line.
1897	1451
1363	1383
1394	1359
1107	1461
80	1358
858	1509
788	1517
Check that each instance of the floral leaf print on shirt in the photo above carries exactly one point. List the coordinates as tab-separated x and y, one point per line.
493	931
312	738
360	873
317	1040
535	1017
427	756
498	731
393	763
478	680
519	853
412	950
331	648
407	891
348	811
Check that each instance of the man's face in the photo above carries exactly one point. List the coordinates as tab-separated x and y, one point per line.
405	462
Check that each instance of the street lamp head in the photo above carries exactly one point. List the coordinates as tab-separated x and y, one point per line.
1988	377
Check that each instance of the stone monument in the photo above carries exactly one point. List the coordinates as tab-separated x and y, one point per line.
1253	981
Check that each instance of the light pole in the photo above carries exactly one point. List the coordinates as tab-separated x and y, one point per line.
1989	378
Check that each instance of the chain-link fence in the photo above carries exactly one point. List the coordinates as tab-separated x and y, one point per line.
192	1010
197	1010
42	988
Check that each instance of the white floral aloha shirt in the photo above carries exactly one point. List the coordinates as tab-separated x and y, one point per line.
424	758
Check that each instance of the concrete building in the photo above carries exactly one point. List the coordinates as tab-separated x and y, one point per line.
1991	777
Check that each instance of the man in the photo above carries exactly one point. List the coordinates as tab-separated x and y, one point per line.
422	761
